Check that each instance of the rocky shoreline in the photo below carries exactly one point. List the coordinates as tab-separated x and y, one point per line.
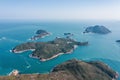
15	51
40	34
37	37
48	50
14	72
75	46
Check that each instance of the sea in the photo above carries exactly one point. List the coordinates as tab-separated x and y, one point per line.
101	47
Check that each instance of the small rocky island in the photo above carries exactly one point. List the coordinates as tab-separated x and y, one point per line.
97	29
72	70
49	50
118	41
68	35
40	34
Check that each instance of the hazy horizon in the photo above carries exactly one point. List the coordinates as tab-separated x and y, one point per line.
59	10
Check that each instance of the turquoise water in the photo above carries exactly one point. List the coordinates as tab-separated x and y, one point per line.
101	47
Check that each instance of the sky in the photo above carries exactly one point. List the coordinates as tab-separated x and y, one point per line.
59	9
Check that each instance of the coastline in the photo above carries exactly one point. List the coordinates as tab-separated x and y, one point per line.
37	37
14	51
75	46
54	56
43	60
14	72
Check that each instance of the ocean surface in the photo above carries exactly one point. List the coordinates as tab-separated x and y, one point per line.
101	47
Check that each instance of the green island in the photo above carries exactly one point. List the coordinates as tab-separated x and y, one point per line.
71	70
97	29
49	50
40	34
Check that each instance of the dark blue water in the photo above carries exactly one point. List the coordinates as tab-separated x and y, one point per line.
101	47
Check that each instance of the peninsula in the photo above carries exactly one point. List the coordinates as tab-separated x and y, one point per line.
49	50
72	70
40	34
97	29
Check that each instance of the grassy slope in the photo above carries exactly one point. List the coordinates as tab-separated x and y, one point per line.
71	70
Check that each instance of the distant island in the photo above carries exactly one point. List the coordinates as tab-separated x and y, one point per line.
72	70
40	34
117	40
68	35
97	29
49	50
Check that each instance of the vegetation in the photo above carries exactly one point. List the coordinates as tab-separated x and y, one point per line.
72	70
45	50
97	29
87	70
39	34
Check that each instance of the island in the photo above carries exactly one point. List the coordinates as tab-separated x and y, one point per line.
40	34
68	35
97	29
49	50
72	70
118	41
